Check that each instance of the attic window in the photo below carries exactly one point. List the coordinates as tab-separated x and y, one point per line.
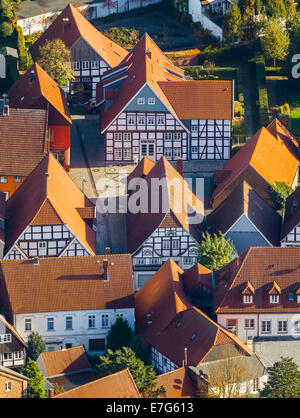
247	298
274	298
193	336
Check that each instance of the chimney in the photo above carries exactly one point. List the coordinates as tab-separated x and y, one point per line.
105	266
47	174
4	105
50	393
148	53
36	261
184	363
107	250
179	165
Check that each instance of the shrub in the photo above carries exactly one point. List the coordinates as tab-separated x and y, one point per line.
6	28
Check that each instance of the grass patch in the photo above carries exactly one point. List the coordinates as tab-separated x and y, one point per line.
295	120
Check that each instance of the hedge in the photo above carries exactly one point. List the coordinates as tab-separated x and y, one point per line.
257	69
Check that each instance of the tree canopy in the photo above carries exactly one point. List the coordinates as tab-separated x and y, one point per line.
35	387
283	380
119	335
231	23
143	375
54	55
279	192
215	251
275	41
35	346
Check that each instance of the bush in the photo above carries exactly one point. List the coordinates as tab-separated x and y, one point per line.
24	57
6	29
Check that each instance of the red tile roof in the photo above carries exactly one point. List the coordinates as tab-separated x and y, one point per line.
69	360
141	225
273	157
245	200
141	170
166	320
67	284
22	141
177	384
49	199
39	94
2	216
117	385
196	276
291	213
80	27
266	269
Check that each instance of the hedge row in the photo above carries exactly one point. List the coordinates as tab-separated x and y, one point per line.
257	68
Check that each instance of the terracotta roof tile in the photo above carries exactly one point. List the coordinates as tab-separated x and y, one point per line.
267	269
166	319
48	198
177	384
196	276
39	93
117	385
68	283
64	361
80	27
22	141
274	158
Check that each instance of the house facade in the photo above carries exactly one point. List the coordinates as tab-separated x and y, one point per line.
79	299
171	230
91	52
150	110
290	236
49	216
12	346
12	384
257	295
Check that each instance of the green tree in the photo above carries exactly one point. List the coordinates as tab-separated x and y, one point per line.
215	251
35	346
275	41
120	335
276	8
35	387
290	8
283	380
138	347
279	192
6	10
231	23
54	55
143	375
258	6
6	29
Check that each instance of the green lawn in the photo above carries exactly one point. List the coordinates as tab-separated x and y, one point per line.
295	119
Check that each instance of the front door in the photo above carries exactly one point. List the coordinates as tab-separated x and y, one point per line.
148	150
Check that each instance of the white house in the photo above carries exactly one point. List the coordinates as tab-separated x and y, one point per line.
290	236
69	301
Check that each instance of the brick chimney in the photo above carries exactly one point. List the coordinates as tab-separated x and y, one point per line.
36	261
107	250
50	393
179	165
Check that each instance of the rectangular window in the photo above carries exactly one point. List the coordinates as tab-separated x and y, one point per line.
177	136
85	65
175	244
194	128
127	154
291	297
266	326
7	356
166	244
76	65
117	136
18	355
248	299
151	100
118	154
160	119
249	323
3	179
126	136
168	136
28	324
141	120
69	322
274	298
296	327
50	324
104	321
168	152
131	120
97	344
94	65
17	179
150	120
141	101
282	326
7	386
177	152
92	321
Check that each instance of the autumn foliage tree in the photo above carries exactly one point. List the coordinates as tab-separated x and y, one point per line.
54	59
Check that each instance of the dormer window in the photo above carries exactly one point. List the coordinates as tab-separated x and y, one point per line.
247	298
274	298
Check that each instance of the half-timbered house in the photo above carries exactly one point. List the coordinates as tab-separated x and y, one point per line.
49	216
92	53
149	110
270	156
12	346
167	226
37	90
290	235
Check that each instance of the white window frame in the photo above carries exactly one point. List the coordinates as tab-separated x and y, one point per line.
282	326
266	322
140	100
105	321
131	120
92	320
68	318
247	298
151	100
50	320
8	386
117	136
249	323
27	321
127	136
17	179
94	65
85	65
152	119
274	298
3	179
